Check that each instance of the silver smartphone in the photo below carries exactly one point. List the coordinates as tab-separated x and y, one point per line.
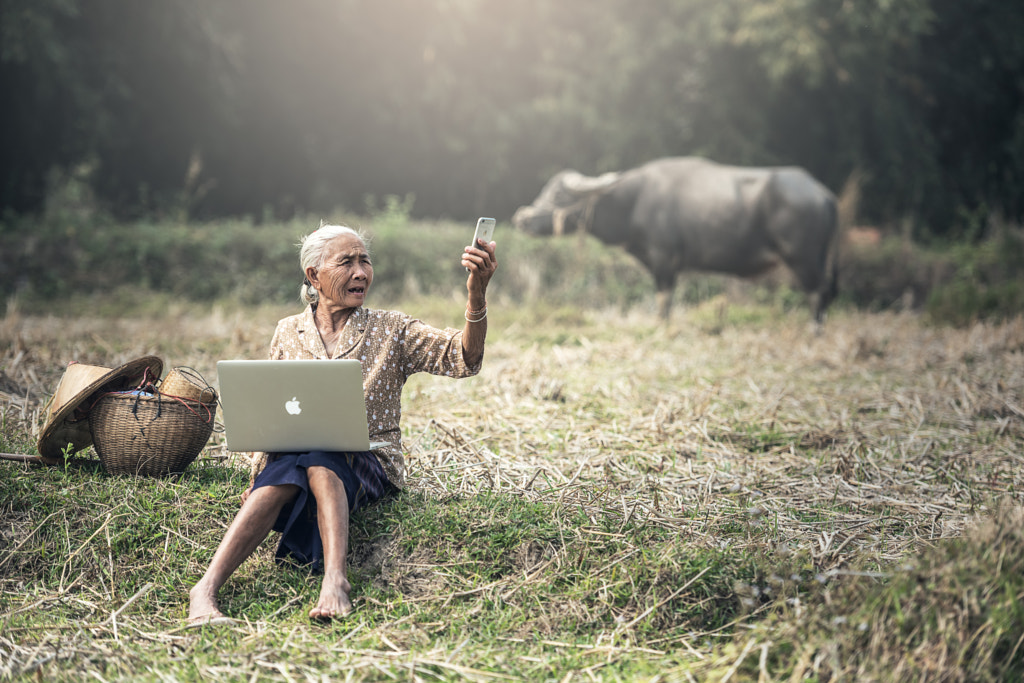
484	230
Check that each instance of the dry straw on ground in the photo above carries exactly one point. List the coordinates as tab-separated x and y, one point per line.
880	435
899	430
859	447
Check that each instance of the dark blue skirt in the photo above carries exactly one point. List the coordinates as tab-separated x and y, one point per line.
364	481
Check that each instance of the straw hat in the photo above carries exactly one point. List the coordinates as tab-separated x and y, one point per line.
76	388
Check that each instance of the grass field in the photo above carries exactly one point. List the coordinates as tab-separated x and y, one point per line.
729	497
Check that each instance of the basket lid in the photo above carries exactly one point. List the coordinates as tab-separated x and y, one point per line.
78	383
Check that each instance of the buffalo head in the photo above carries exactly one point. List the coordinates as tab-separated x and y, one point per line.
558	200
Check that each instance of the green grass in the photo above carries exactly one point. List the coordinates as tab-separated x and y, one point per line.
611	498
487	568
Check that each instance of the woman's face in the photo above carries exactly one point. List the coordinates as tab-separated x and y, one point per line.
346	274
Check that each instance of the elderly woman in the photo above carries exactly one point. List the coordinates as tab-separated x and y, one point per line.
308	497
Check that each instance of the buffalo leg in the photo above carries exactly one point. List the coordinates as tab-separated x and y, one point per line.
664	285
823	296
819	289
664	303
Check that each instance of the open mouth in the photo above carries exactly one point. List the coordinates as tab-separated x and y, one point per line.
357	290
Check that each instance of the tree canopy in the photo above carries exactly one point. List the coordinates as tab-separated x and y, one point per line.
232	107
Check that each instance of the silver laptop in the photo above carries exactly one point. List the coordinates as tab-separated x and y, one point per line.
294	405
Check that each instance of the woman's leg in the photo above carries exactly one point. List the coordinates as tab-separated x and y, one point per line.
332	517
250	526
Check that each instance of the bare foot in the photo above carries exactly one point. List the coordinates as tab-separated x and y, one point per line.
203	607
334	600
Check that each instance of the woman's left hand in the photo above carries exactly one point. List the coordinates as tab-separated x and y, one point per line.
481	262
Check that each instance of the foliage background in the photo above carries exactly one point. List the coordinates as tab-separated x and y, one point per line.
214	108
65	264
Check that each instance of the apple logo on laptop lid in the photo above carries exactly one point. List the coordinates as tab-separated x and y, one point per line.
293	406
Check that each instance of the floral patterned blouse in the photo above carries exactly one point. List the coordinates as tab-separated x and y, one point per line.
391	346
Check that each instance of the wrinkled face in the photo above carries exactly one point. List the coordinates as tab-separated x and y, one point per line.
344	277
538	218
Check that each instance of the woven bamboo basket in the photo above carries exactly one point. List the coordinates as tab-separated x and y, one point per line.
149	434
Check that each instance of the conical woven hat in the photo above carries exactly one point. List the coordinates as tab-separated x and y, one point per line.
76	387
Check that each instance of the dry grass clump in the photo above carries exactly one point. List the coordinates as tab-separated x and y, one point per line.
952	613
956	614
880	436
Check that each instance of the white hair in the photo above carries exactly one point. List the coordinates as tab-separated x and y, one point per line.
313	251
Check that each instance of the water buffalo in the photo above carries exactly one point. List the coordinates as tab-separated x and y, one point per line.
688	213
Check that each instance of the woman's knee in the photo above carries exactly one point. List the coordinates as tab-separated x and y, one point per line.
324	482
274	494
324	475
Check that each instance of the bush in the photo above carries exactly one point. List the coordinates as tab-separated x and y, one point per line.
986	284
893	273
62	257
48	264
954	284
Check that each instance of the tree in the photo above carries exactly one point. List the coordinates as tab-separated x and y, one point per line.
215	107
